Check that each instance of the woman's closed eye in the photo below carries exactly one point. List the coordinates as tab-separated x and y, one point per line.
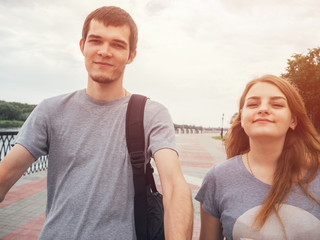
252	104
278	104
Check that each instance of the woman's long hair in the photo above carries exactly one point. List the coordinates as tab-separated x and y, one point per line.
301	150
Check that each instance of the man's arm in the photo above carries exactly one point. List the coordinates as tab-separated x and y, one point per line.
210	226
178	208
12	167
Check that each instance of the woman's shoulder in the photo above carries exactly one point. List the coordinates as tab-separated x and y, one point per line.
231	162
229	166
224	177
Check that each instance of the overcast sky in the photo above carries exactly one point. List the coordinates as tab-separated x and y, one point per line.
194	56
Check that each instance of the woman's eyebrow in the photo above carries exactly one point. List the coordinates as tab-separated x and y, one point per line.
273	97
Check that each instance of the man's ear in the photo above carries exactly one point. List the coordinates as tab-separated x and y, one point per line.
81	43
132	56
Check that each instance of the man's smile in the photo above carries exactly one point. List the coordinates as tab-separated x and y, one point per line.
102	63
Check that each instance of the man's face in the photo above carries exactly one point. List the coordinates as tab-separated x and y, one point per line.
106	52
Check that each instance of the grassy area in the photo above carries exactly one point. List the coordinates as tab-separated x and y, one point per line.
10	124
218	137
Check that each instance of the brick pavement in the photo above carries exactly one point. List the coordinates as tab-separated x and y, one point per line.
197	154
22	211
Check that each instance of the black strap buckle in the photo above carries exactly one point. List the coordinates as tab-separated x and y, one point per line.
138	162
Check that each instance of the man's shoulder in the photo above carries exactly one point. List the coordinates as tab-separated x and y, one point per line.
61	99
56	103
156	113
153	106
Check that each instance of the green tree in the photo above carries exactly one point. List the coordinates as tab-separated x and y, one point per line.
304	72
15	111
9	111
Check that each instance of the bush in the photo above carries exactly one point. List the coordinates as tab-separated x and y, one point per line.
15	110
10	124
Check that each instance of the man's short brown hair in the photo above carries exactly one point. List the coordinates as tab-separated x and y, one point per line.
112	16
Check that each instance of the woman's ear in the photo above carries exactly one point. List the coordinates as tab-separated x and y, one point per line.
240	117
293	123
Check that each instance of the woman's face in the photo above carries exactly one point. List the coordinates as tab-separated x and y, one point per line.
266	113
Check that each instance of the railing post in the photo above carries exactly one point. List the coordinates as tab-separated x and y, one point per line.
6	140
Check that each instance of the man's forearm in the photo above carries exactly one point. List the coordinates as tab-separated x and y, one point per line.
178	213
14	164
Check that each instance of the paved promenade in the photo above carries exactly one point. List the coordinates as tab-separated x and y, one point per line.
22	211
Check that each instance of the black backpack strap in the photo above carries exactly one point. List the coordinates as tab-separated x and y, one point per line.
135	133
136	148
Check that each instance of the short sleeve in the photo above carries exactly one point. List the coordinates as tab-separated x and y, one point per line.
34	133
159	128
207	194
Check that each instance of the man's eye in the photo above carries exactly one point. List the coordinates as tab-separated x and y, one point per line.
118	46
94	41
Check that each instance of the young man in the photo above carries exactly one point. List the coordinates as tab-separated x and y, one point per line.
90	183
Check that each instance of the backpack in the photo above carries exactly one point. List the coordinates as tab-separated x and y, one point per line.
148	205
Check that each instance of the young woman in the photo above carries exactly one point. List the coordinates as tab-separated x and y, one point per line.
270	186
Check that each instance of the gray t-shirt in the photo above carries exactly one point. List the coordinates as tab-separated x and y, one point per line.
89	181
229	192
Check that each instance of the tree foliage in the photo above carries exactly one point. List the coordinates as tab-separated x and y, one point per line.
15	111
304	72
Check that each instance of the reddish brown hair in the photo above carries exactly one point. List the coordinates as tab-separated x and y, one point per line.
301	149
112	16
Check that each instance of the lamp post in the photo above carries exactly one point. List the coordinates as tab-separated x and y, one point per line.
221	134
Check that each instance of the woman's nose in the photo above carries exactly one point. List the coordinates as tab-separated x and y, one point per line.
264	108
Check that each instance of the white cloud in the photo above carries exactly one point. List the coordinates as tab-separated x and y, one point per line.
194	57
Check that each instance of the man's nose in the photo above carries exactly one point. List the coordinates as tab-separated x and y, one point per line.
105	51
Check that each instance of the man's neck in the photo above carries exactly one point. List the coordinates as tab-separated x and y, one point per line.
105	92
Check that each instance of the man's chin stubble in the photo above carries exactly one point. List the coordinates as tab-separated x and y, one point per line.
103	80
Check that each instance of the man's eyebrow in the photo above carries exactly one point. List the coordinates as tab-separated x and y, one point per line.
94	36
120	41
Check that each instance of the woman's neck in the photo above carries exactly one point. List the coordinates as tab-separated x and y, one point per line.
266	152
262	159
